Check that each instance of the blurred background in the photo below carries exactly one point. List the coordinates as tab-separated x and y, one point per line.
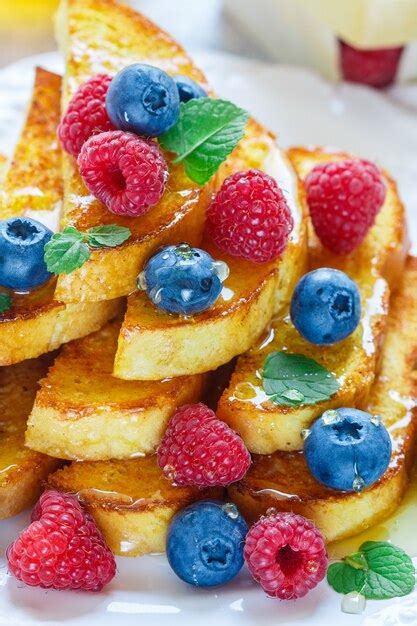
26	26
367	41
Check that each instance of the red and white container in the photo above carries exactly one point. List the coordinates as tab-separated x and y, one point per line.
331	36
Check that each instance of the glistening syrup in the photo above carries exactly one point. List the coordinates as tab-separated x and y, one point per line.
399	528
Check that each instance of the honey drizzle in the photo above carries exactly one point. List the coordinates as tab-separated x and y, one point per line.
399	528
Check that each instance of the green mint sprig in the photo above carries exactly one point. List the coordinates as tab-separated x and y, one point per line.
205	134
5	303
70	249
293	380
378	571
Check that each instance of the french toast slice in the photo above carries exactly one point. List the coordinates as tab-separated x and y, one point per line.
99	36
154	345
267	427
283	481
22	471
103	36
37	323
34	181
385	248
82	412
131	501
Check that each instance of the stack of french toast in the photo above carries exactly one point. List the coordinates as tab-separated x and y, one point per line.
92	371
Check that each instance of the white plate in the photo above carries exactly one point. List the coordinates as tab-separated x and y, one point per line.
302	109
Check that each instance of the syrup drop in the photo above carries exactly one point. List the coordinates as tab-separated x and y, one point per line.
142	281
329	417
271	511
231	510
244	391
221	269
358	484
305	433
353	603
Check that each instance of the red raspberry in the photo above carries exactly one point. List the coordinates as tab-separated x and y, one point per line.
86	114
286	555
344	198
200	450
124	171
376	68
62	548
249	217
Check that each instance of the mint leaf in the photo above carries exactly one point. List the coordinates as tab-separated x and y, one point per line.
205	134
107	236
66	251
5	302
391	571
344	578
69	250
380	571
294	379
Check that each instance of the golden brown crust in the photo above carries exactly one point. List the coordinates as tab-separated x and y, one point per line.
22	471
154	344
129	485
40	322
131	501
90	34
105	50
283	480
82	412
25	485
105	37
110	37
45	328
266	427
33	180
385	247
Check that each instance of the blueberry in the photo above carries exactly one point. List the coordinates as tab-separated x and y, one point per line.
325	306
184	280
205	543
143	99
347	449
22	242
188	88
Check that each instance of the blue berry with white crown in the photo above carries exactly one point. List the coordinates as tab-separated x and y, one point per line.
325	306
183	280
22	243
205	543
347	449
143	99
188	89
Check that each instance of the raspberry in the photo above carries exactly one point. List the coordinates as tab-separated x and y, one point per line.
124	171
86	114
200	450
62	548
376	68
286	555
344	198
249	217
